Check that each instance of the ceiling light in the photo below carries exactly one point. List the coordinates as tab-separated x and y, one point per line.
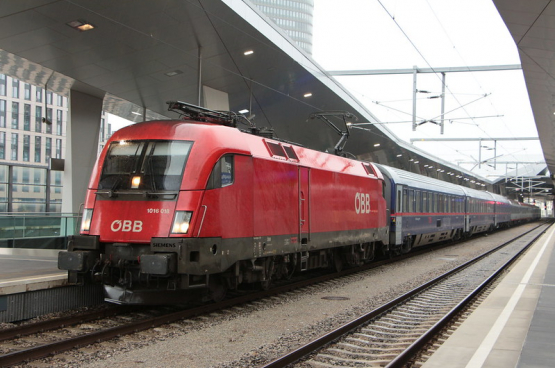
80	25
244	111
173	73
136	113
376	145
248	52
307	95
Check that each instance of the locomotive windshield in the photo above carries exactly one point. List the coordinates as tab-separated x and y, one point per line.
144	165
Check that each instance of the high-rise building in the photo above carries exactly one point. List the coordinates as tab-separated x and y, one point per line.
293	16
32	132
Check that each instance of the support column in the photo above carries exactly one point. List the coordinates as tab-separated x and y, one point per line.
83	128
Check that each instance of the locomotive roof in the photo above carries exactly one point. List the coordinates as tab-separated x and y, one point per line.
226	139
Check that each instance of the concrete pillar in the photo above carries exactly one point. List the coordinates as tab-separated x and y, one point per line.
83	128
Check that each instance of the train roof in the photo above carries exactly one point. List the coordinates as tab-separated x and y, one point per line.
474	193
420	181
220	139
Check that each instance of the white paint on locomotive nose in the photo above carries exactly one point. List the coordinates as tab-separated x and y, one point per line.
127	226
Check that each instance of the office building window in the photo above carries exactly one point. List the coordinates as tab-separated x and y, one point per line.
27	117
2	145
48	152
49	121
58	148
15	146
38	147
49	97
2	113
15	115
59	117
27	91
39	94
26	147
15	88
102	130
60	100
38	119
38	181
2	84
26	179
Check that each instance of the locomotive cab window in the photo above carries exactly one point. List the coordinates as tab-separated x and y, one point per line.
144	165
223	173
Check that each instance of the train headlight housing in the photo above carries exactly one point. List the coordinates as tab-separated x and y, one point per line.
86	219
181	222
135	182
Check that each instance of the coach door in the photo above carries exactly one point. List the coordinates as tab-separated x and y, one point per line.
304	205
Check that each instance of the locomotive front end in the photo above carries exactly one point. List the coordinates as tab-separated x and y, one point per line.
130	214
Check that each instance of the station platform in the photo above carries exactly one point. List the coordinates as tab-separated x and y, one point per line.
24	270
31	285
515	325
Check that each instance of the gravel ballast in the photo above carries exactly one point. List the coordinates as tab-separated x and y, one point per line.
257	333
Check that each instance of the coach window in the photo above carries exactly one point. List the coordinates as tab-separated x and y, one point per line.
411	201
222	174
418	207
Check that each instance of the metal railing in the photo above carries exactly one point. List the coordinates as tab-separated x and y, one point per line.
37	230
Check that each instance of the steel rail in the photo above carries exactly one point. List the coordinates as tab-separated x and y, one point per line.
98	336
320	342
42	326
132	327
417	346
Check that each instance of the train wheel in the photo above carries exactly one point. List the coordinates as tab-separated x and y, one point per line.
268	272
291	266
395	250
407	245
217	288
338	263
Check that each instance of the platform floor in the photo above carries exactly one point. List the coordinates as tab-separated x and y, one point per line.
515	325
24	270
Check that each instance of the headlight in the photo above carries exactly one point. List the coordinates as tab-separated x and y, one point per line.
181	222
86	219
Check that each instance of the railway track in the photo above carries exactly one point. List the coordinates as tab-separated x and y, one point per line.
394	334
34	341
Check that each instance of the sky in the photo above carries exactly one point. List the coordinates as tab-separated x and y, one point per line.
401	34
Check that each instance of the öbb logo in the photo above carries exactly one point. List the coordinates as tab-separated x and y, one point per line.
127	226
362	203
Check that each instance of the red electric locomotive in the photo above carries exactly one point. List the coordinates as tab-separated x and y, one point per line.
175	207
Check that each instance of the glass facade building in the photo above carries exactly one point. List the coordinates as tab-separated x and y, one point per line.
32	131
26	182
293	16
